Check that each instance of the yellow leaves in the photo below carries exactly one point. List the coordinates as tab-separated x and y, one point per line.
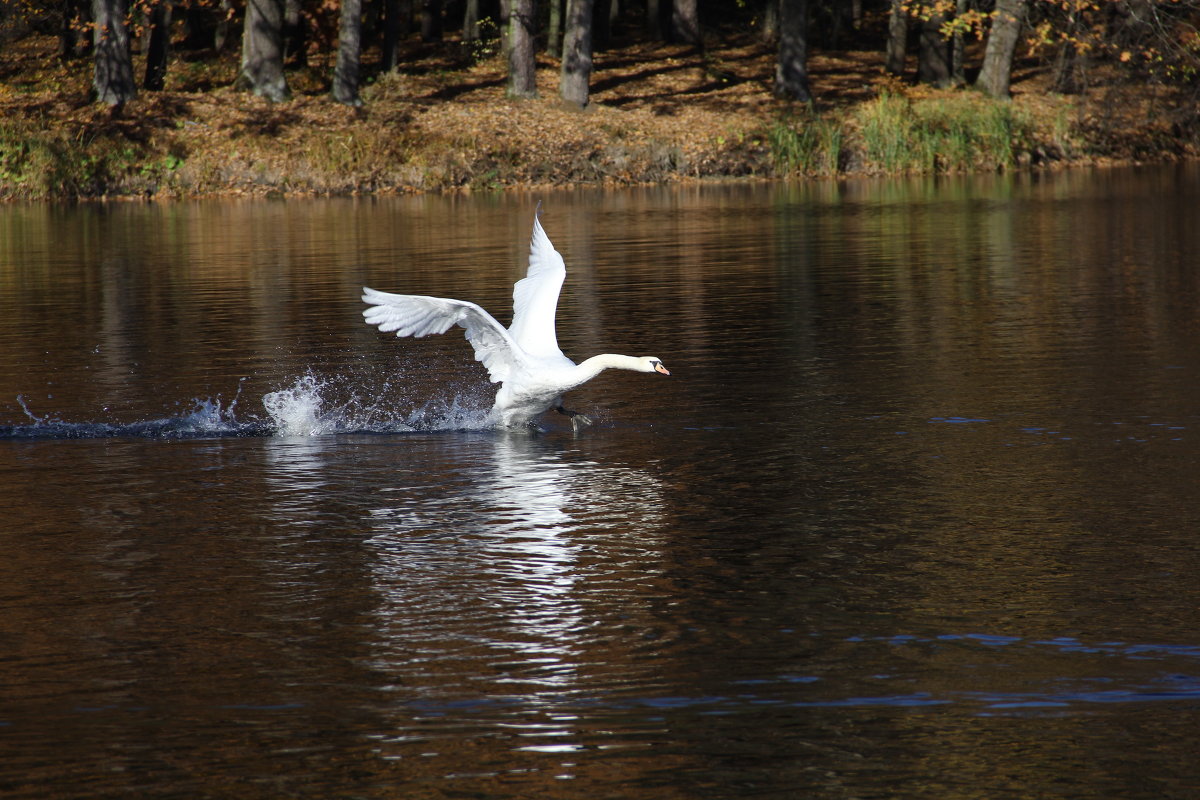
971	22
928	9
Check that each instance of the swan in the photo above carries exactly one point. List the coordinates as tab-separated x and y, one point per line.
524	358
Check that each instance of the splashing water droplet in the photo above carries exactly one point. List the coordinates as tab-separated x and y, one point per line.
296	410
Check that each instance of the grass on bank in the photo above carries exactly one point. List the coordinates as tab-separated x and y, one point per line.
890	134
894	134
452	128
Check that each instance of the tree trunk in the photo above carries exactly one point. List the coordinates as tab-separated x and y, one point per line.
601	24
262	51
791	69
958	67
470	31
157	50
554	31
295	34
655	10
345	74
933	60
897	41
1069	76
113	74
431	20
996	75
577	53
221	33
77	17
768	31
392	27
685	22
522	76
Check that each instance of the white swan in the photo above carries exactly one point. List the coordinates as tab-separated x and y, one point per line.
524	359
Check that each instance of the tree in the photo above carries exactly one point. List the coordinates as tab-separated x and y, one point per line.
345	73
602	11
897	41
791	68
577	53
295	34
207	24
996	75
958	67
554	29
471	30
159	46
933	54
112	77
685	22
522	76
262	51
431	20
392	31
768	29
654	17
76	18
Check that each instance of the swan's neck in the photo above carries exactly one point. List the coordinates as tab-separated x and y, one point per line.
596	364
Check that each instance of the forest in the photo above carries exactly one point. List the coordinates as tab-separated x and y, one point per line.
113	97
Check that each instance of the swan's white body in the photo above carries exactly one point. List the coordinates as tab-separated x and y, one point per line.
524	358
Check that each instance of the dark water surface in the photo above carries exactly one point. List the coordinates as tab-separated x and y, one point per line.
916	515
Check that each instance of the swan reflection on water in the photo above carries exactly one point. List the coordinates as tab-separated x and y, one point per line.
502	558
498	548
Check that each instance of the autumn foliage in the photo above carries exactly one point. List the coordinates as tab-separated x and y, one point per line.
1093	80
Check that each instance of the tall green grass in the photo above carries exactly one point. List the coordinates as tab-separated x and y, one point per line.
805	146
955	133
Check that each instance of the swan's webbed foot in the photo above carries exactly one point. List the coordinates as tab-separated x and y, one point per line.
577	420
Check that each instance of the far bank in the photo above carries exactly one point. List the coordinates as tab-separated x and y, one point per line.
659	113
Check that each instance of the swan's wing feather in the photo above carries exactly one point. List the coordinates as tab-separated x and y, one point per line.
417	315
535	297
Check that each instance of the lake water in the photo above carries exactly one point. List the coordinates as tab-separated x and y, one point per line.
916	515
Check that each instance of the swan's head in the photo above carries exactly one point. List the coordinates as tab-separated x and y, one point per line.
652	364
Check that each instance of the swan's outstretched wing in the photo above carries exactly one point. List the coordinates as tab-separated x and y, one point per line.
535	297
416	315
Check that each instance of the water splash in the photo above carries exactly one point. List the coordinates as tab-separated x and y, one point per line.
296	411
309	406
209	417
312	406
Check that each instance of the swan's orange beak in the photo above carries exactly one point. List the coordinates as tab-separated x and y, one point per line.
662	369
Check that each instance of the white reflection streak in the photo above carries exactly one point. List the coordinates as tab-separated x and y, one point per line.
500	552
297	473
537	545
493	569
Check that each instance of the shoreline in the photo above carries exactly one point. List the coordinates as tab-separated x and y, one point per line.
444	126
